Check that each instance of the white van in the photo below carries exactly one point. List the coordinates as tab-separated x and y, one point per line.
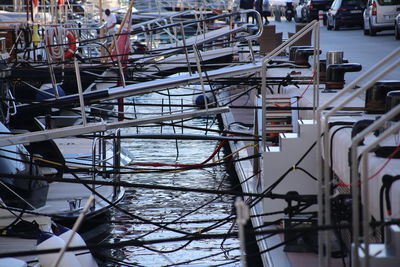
379	15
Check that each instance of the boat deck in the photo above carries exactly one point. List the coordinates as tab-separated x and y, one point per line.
58	201
243	120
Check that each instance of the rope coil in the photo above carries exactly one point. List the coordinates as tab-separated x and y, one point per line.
55	41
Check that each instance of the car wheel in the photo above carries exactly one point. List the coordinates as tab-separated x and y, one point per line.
335	25
372	31
397	32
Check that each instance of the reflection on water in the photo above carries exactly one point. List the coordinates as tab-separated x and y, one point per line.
181	208
170	206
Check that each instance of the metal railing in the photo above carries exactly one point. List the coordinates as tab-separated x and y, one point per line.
178	5
249	39
323	169
87	40
364	179
178	28
117	162
315	28
186	47
65	13
3	48
101	161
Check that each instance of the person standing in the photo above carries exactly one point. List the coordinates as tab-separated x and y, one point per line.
111	21
265	11
258	5
262	6
247	4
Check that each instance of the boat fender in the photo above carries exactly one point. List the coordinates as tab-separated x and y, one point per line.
84	257
50	241
46	91
200	100
358	127
392	199
387	151
12	262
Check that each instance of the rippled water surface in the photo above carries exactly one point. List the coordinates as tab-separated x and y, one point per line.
169	206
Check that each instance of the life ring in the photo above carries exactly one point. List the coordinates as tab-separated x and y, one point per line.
70	51
57	34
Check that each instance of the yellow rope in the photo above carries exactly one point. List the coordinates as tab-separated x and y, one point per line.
235	152
60	164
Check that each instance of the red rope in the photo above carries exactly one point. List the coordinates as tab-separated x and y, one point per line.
391	156
300	97
155	164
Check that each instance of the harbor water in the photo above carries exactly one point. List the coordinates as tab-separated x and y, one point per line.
185	211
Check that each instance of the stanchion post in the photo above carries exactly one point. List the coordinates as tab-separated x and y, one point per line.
242	215
321	18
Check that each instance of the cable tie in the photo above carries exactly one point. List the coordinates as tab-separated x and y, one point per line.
294	168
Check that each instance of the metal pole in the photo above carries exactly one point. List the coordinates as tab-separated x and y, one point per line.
52	76
316	68
102	33
242	215
196	51
251	51
79	83
185	47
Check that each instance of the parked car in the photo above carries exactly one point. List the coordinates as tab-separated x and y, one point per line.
345	13
397	27
379	15
312	7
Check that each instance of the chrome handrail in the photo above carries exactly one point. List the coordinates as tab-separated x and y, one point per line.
3	47
259	23
364	176
117	162
94	148
99	159
322	166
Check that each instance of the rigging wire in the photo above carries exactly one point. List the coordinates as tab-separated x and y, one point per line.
202	206
114	205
